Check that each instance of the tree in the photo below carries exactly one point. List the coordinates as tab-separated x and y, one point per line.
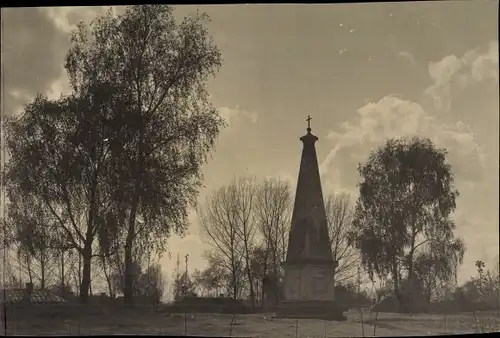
273	211
243	195
437	264
110	240
339	216
165	123
220	221
213	279
117	277
184	286
151	284
58	155
208	281
230	219
259	264
33	234
406	199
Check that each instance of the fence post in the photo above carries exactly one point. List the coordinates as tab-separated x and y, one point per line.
296	328
185	324
231	324
445	324
324	321
362	322
476	320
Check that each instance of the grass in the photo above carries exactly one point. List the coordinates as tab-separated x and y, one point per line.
137	321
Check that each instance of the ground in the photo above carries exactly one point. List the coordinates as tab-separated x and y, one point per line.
254	325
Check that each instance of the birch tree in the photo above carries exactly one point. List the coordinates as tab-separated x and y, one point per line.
165	124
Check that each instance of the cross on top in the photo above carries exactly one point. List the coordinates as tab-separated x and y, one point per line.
308	122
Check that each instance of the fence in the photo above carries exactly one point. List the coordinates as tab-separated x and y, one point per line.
95	320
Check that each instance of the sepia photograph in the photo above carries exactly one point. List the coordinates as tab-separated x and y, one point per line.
250	170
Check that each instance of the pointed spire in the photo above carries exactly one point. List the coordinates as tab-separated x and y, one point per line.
309	240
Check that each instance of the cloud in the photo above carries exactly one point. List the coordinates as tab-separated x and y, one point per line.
485	66
66	18
395	117
453	74
59	87
235	115
31	55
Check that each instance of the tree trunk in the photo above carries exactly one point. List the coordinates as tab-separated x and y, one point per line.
235	290
428	294
275	275
42	277
128	290
108	278
30	273
249	273
235	286
252	291
63	283
79	272
42	270
86	278
403	306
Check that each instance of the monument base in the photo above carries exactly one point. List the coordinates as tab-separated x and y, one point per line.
310	309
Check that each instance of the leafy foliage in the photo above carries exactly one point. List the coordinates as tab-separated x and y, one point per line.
209	281
118	162
163	121
406	198
58	159
184	286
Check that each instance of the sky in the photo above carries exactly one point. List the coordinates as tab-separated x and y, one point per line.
364	72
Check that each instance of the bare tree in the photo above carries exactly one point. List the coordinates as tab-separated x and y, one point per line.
339	216
273	210
221	227
231	219
243	194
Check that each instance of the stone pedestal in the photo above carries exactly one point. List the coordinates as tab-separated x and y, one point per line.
309	293
308	282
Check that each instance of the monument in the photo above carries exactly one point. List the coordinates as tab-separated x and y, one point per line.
309	264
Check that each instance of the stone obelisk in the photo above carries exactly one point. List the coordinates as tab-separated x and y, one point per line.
308	283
